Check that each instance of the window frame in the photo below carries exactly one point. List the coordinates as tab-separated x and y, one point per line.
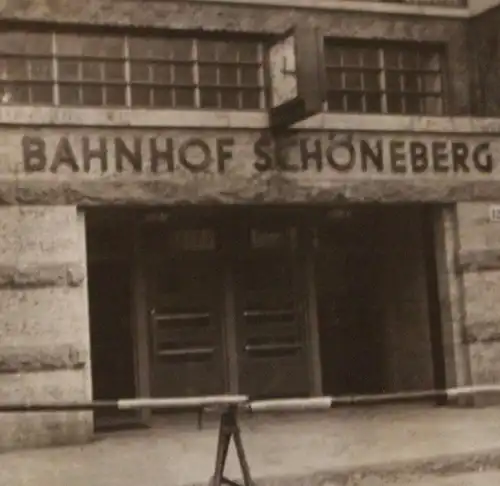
382	47
125	35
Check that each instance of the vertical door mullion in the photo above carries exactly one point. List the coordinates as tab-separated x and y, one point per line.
230	309
141	324
309	297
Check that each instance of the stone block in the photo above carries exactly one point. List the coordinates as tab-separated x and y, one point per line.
26	359
481	296
475	230
44	316
22	430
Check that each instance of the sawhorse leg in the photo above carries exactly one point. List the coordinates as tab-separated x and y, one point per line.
229	429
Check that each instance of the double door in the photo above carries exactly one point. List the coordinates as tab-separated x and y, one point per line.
226	312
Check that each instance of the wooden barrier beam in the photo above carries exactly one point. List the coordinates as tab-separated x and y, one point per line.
291	404
215	401
197	403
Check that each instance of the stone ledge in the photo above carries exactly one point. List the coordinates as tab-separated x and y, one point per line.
482	332
244	189
479	261
23	359
41	275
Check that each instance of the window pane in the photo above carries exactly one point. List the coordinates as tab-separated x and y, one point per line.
162	97
430	61
335	102
115	95
228	76
370	58
41	69
249	75
250	99
91	71
372	81
431	83
334	79
209	98
42	93
17	69
353	81
354	102
68	70
229	99
394	104
412	104
410	82
393	81
373	103
140	96
208	75
162	73
227	51
391	58
352	57
69	94
139	71
248	52
149	48
16	93
92	95
333	57
409	60
184	98
433	105
184	75
181	49
207	50
114	71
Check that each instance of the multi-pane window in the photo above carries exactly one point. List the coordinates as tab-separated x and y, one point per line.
398	79
130	70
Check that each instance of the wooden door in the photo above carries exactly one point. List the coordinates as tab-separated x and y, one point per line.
272	355
185	315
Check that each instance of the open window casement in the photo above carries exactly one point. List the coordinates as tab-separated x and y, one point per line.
297	76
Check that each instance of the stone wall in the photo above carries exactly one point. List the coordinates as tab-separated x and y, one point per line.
44	332
479	266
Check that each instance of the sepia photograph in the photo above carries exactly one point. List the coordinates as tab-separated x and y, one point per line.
249	242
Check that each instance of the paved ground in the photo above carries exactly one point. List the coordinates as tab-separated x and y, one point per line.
390	446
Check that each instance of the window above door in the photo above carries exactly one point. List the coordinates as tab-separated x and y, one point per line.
389	78
130	70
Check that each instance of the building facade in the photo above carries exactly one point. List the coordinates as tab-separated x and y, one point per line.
158	239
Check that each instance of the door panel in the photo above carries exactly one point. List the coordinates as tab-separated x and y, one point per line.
271	347
185	319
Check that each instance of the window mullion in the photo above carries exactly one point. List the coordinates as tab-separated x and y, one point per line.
383	80
196	74
261	75
55	70
128	72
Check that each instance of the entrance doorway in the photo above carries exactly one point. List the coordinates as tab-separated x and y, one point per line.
265	302
185	296
223	292
270	320
375	302
110	308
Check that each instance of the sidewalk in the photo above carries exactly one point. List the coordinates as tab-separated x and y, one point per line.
368	446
